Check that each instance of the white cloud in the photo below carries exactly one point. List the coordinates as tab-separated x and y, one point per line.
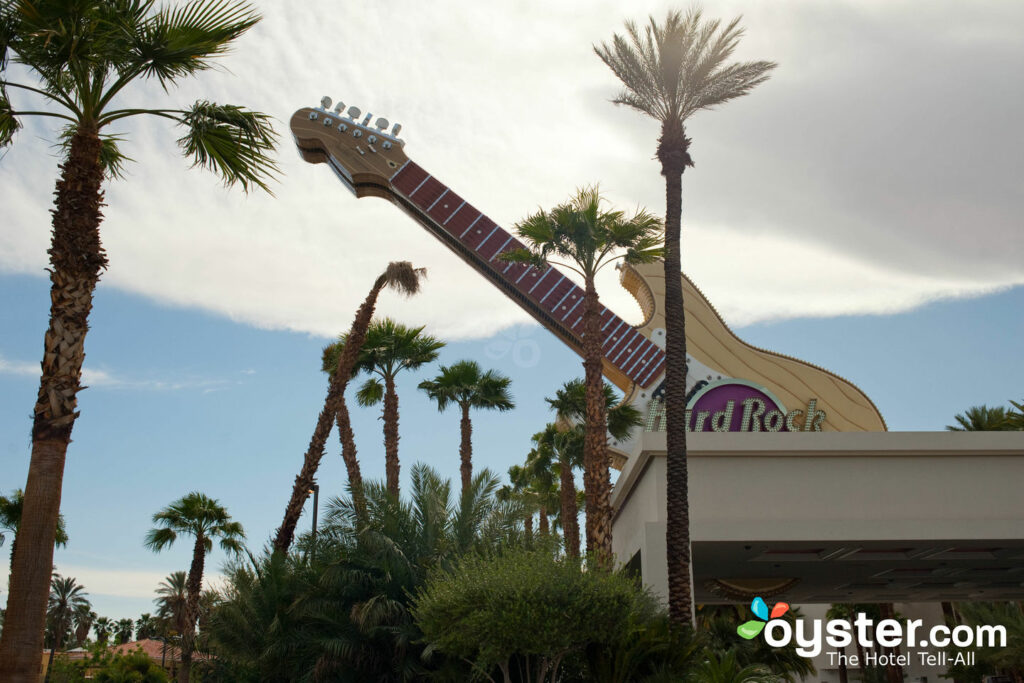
124	583
857	176
108	380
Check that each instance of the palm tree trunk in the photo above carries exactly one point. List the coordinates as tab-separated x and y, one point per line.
545	529
843	673
570	514
195	588
466	449
528	528
596	479
77	259
335	396
391	467
58	636
348	454
672	152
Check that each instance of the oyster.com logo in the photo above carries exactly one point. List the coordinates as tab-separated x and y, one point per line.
751	629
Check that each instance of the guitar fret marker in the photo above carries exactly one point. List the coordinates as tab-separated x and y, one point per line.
489	235
470	226
454	212
563	298
539	280
437	200
572	309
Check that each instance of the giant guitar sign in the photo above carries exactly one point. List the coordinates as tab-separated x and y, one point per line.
370	160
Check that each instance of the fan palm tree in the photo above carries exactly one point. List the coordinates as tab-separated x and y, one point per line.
465	385
567	435
172	601
102	626
67	597
83	616
981	419
83	55
124	630
204	519
669	72
340	360
517	493
10	520
389	349
584	237
146	627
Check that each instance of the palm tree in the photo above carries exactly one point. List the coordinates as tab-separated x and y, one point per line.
204	519
982	419
389	349
124	630
102	626
517	493
146	627
583	237
83	56
66	598
401	276
10	520
1015	418
84	617
566	436
465	385
172	602
670	71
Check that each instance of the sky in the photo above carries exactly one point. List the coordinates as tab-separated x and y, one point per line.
861	210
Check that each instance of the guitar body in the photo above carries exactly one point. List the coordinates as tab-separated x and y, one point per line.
371	162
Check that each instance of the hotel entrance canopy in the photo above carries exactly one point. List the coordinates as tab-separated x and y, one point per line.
835	516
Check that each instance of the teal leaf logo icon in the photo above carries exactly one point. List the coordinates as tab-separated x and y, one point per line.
751	629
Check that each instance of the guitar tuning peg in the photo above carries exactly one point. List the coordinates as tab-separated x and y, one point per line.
339	107
395	129
354	112
325	102
367	119
381	124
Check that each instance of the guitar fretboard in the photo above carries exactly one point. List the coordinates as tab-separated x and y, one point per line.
551	297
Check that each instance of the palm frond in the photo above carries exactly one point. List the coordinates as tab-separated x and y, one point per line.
9	123
177	42
404	278
233	142
370	393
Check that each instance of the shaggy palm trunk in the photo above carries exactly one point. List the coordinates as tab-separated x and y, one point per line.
76	259
391	467
528	528
544	529
672	152
334	399
466	449
596	479
195	588
570	514
348	454
843	673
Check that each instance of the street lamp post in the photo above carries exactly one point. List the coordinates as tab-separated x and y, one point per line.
316	500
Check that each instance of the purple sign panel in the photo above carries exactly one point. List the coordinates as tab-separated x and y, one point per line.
735	407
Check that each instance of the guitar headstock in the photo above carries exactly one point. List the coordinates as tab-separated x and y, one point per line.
363	152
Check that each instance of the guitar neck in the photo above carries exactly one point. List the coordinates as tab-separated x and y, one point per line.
544	292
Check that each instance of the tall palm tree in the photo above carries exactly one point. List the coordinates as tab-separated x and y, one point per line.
1015	417
389	349
465	385
669	72
172	600
124	630
566	436
516	493
66	597
83	55
981	419
339	360
205	519
584	237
